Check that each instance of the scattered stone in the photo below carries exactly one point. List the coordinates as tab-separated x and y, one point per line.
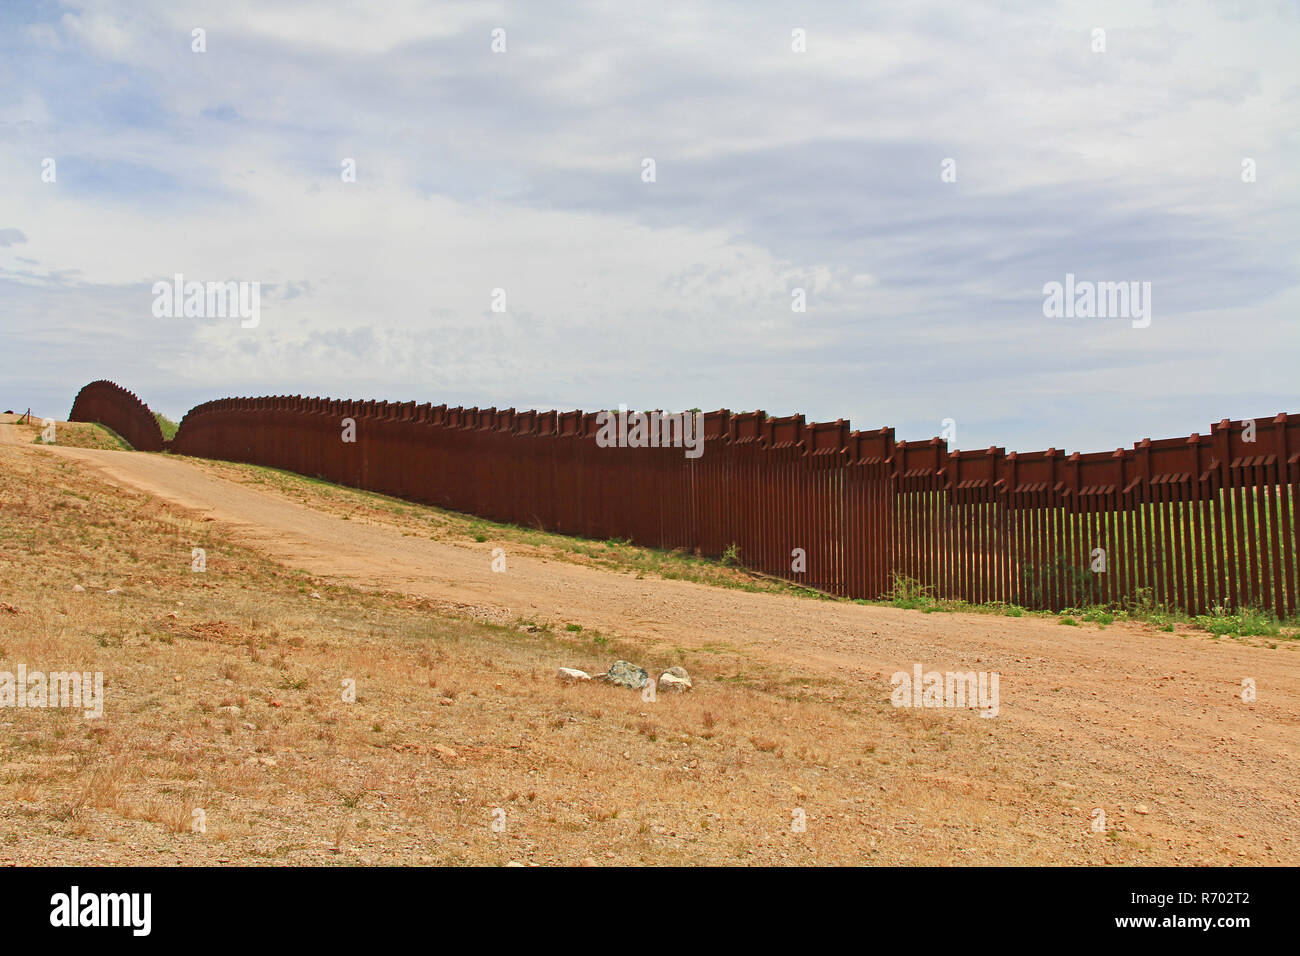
174	616
267	761
445	752
8	607
626	674
515	863
248	725
316	596
113	591
233	709
446	702
1142	809
176	678
78	589
675	680
571	675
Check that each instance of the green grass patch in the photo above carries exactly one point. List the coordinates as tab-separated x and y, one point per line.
167	426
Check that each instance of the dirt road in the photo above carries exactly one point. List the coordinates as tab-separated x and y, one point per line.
1130	718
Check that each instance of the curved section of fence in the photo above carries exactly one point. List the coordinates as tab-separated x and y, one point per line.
113	406
1191	523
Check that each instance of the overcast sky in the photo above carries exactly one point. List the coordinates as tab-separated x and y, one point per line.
775	170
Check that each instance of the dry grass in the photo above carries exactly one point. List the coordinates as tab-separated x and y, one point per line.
225	695
73	435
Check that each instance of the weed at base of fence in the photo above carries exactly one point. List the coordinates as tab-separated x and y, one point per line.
908	592
1247	622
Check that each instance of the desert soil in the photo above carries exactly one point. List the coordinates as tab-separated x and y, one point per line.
1147	725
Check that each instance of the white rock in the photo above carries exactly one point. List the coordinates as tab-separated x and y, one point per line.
672	684
571	674
113	591
79	589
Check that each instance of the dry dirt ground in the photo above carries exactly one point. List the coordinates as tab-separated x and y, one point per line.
223	696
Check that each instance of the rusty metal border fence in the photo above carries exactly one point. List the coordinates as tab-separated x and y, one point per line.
1185	523
113	406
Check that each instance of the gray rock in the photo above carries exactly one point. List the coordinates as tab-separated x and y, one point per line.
626	674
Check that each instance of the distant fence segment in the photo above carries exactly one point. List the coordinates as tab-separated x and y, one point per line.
113	406
1189	523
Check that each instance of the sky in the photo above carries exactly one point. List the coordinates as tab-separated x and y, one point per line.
922	171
